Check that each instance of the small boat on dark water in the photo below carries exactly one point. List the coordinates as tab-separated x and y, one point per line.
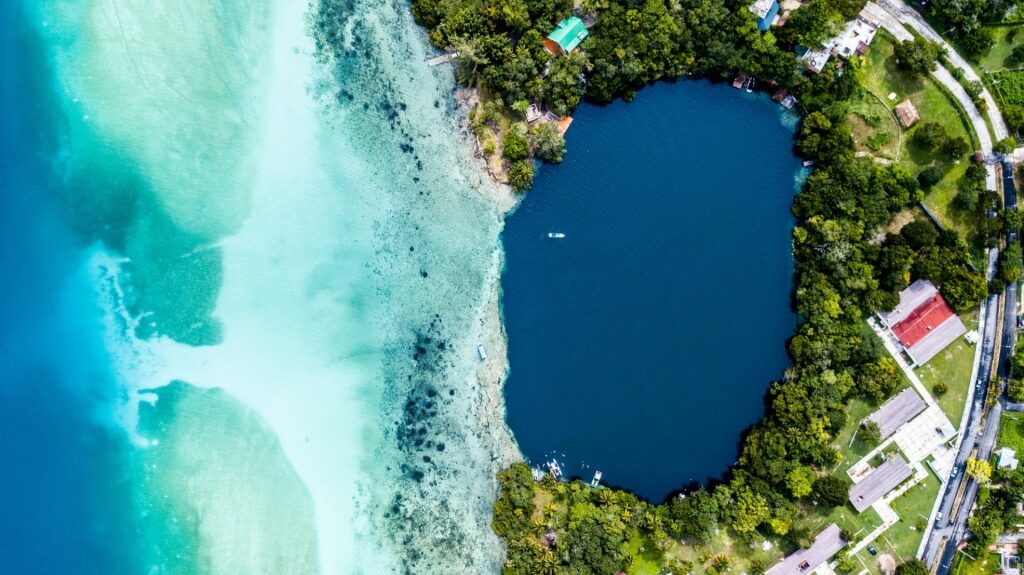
556	235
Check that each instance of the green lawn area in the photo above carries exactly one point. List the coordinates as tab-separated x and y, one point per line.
875	130
953	367
1006	38
913	508
882	78
1011	431
647	560
984	565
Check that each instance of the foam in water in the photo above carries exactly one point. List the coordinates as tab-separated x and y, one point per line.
296	264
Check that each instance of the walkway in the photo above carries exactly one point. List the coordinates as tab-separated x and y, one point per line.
897	355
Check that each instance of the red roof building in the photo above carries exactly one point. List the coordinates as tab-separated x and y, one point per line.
923	322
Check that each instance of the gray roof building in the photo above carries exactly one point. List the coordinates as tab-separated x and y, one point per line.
802	562
903	407
882	480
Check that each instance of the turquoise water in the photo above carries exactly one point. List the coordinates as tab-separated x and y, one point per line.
252	271
643	342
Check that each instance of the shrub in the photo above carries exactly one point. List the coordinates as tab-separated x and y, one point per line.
930	135
919	234
878	141
548	143
929	177
940	389
520	175
517	146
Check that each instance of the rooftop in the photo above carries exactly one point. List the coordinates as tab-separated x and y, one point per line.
907	113
569	33
1007	458
897	411
923	322
802	562
879	482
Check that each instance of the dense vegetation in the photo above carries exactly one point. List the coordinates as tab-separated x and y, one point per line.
966	21
633	43
844	270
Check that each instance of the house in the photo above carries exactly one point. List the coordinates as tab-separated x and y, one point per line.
566	37
803	561
880	481
852	41
739	81
906	113
1007	459
923	322
766	11
896	412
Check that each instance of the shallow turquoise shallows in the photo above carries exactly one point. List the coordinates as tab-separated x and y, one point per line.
641	344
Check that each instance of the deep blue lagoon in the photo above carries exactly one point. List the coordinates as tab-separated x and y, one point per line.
643	342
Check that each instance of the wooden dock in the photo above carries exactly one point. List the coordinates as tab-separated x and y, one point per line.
442	59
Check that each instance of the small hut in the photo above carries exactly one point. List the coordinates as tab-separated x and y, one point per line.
566	37
907	114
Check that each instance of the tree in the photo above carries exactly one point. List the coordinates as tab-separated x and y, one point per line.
956	147
940	388
520	175
979	469
869	433
1017	55
1011	260
1015	389
977	41
830	490
847	564
695	516
913	567
800	481
930	135
929	177
878	379
1008	144
548	143
918	56
517	145
920	234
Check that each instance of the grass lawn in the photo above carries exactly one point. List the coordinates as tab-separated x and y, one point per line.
875	131
882	78
647	560
953	367
1011	431
913	508
996	59
984	565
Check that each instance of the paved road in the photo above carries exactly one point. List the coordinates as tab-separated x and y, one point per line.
954	533
895	16
912	18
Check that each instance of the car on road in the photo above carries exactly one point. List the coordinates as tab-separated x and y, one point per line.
872	550
938	519
956	471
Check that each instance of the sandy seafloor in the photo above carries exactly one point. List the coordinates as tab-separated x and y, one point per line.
296	256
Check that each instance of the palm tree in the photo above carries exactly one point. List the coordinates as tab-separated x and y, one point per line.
548	564
469	61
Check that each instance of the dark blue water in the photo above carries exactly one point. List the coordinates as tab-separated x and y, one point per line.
642	344
64	496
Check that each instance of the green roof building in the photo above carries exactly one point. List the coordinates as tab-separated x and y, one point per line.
566	37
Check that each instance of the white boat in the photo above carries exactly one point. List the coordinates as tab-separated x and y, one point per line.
555	469
556	235
480	351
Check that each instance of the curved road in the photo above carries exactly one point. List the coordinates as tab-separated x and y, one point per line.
980	431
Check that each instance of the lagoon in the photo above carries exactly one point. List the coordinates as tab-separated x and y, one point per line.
642	344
